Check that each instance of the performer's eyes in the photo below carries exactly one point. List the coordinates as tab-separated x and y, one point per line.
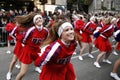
67	29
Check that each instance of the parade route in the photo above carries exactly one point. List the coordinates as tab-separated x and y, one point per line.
85	70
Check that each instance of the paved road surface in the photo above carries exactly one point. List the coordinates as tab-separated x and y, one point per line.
85	70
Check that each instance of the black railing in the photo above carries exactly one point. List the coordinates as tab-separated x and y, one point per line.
3	36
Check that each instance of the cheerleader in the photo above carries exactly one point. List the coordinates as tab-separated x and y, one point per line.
18	34
102	42
9	27
116	22
57	55
87	32
33	39
117	63
78	26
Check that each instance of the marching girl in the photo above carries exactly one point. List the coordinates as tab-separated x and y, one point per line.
117	62
100	24
33	39
116	22
87	32
18	33
9	27
57	55
78	26
102	42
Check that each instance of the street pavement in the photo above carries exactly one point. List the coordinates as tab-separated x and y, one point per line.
85	70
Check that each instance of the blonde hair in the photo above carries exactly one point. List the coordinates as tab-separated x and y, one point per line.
107	20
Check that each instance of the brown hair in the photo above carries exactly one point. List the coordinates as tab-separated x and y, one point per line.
25	20
53	32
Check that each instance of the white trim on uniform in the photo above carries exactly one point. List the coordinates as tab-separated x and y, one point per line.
50	54
111	26
13	31
86	25
27	33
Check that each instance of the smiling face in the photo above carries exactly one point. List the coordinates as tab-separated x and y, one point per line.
68	34
39	21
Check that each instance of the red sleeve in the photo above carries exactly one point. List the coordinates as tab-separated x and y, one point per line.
47	54
118	24
103	28
37	61
41	58
79	24
9	27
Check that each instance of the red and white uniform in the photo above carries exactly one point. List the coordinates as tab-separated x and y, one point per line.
102	42
118	26
18	33
88	30
118	23
56	60
32	41
78	26
9	27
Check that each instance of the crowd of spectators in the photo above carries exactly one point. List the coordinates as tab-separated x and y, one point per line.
7	16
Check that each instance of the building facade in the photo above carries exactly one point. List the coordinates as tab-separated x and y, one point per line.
104	5
50	5
117	5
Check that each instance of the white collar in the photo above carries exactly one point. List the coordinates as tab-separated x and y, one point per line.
67	44
39	27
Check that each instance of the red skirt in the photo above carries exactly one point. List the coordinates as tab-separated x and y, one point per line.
57	72
18	48
86	38
103	44
29	54
9	38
